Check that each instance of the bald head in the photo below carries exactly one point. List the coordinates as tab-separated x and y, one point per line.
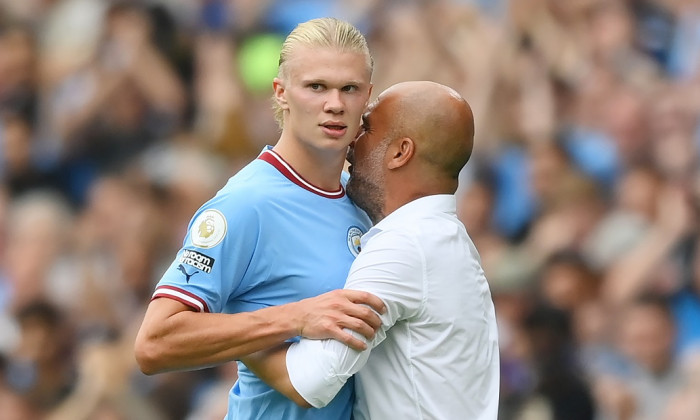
438	120
416	138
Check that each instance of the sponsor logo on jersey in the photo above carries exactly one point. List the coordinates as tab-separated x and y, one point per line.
354	235
209	229
184	271
197	260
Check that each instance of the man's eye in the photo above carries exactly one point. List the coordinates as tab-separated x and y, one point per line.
350	88
315	86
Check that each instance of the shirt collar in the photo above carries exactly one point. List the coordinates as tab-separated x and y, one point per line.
274	159
413	210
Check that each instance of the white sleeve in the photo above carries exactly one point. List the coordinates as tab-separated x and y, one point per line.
391	267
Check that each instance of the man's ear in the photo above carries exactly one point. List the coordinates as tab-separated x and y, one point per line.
280	93
400	152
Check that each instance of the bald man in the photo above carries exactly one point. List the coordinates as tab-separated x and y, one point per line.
438	356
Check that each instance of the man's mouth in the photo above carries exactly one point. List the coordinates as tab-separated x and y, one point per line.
334	130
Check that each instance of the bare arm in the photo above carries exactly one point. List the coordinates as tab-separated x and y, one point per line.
630	274
172	336
157	81
271	366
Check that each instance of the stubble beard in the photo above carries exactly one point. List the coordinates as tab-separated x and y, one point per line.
367	191
366	195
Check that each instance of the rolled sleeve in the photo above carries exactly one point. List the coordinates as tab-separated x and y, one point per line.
312	371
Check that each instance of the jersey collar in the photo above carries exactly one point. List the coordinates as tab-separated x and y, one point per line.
274	159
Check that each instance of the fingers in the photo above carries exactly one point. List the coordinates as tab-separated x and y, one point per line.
358	296
365	315
328	315
359	309
349	340
359	327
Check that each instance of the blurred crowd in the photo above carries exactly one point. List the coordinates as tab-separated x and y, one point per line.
119	118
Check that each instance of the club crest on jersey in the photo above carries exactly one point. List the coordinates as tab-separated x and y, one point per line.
354	235
209	229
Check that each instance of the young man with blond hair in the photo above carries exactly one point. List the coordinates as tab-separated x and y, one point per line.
280	233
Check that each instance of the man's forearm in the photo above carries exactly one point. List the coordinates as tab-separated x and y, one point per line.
174	337
187	339
270	366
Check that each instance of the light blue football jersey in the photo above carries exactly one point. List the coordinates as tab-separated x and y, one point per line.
267	238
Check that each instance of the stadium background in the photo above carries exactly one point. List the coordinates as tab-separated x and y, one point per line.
118	119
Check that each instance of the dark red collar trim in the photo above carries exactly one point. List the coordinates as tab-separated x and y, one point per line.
271	157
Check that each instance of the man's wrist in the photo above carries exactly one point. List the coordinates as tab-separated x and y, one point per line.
291	319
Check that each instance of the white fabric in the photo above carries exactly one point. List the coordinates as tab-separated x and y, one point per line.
436	353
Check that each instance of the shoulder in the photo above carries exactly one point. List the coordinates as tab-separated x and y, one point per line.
394	244
418	234
239	202
252	186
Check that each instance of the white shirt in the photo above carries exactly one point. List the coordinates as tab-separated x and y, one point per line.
436	354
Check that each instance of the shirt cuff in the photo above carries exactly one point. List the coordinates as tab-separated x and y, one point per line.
312	372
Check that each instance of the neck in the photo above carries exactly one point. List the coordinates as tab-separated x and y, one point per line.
321	168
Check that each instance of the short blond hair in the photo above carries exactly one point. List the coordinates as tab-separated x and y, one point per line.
323	33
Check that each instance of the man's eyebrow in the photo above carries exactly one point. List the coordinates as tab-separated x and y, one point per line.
327	82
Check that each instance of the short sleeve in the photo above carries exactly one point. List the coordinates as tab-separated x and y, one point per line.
220	242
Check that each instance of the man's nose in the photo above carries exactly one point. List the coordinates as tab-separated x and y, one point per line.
334	102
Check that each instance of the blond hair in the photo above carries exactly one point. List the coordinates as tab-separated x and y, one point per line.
322	33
